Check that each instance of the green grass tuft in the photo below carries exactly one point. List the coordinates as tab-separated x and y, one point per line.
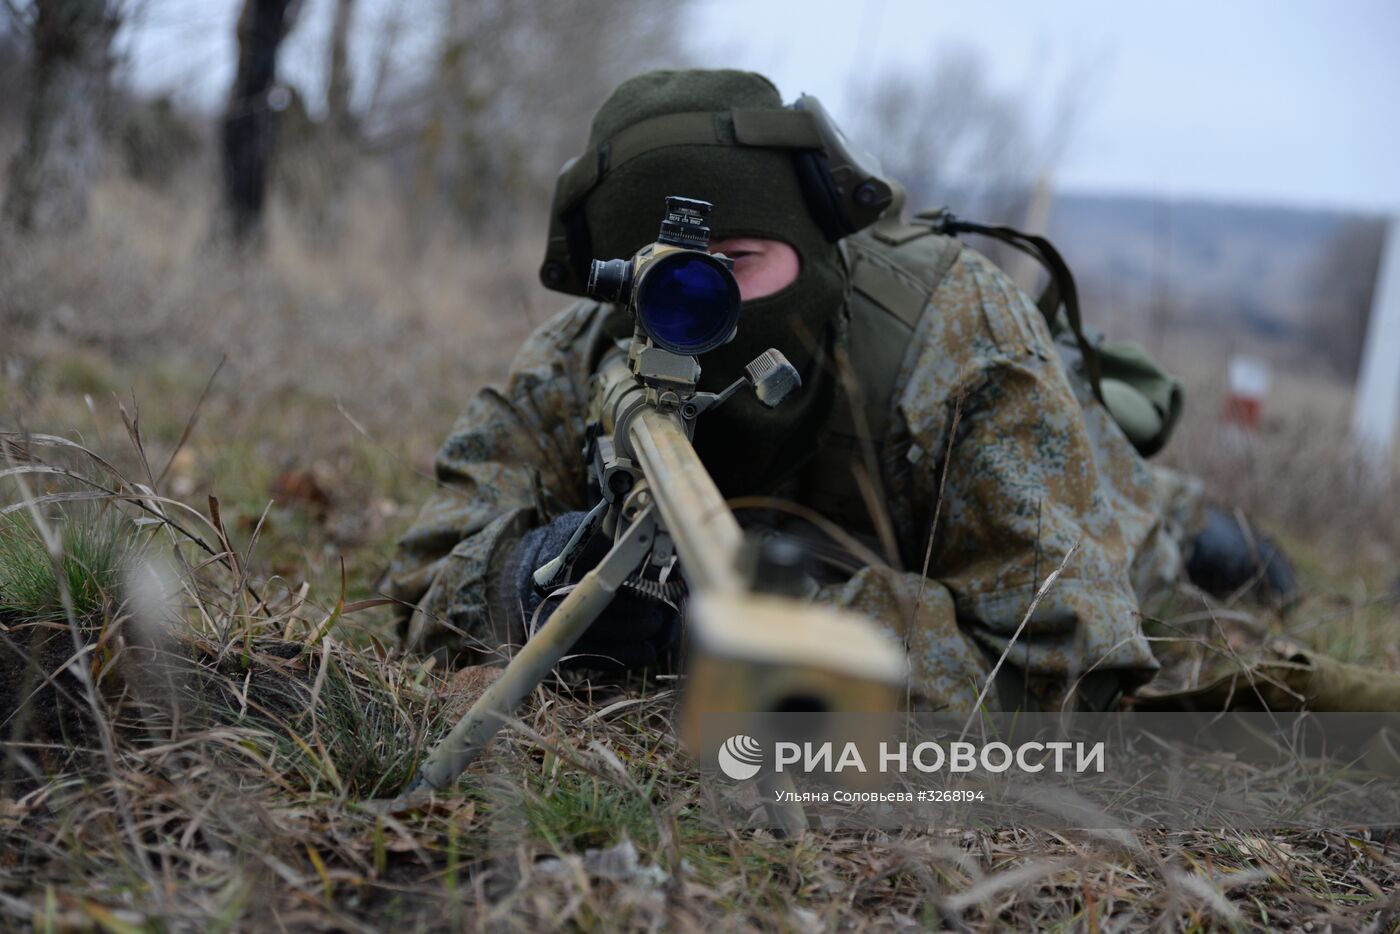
97	548
354	735
575	811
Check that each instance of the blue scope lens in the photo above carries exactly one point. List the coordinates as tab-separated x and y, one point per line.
688	303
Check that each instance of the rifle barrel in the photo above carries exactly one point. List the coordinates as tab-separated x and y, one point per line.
706	534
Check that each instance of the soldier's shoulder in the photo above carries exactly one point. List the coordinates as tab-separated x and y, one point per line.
574	332
980	315
567	324
976	281
898	267
955	302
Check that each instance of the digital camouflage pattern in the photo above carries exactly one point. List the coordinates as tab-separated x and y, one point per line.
995	463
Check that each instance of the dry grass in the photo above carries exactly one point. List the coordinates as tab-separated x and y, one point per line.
244	717
1295	478
340	363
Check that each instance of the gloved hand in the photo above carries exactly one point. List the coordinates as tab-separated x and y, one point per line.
632	632
1225	556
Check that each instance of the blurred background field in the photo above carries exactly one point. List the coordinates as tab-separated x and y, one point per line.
324	342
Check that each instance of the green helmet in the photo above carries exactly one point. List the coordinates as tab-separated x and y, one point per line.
770	171
720	135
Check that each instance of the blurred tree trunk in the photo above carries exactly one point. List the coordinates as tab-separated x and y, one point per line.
388	47
511	93
50	175
249	127
338	71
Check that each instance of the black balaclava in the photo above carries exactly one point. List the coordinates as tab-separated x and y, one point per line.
755	193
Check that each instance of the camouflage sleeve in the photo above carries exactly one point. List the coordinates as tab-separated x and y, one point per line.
946	668
1001	471
512	461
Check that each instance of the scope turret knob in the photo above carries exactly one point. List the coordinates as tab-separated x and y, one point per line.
609	280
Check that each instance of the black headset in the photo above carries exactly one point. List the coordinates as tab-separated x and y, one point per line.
843	188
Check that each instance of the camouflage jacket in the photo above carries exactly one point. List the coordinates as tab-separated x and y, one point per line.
996	463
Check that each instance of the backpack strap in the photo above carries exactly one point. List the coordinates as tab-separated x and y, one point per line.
1143	399
1061	291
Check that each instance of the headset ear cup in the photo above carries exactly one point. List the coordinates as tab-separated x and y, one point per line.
821	194
580	247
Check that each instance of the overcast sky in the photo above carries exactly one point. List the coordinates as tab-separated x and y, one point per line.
1286	100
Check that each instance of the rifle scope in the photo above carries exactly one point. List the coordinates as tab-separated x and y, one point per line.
685	299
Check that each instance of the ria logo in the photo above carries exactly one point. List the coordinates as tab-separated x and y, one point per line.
740	757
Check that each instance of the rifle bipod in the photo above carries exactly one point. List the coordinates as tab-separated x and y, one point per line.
541	652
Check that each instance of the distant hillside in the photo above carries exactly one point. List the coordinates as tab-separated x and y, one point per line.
1289	283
